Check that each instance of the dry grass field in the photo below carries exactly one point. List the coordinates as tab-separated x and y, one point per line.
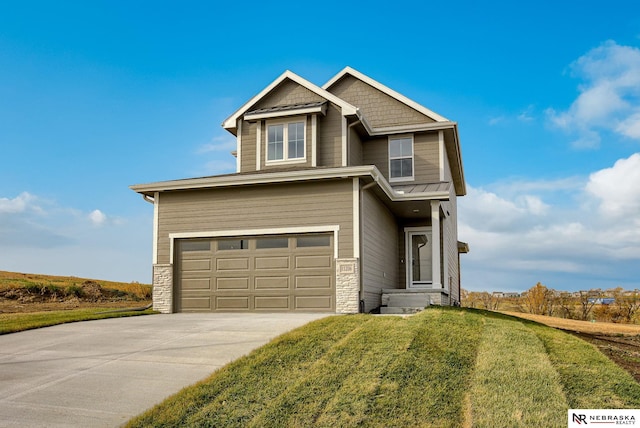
25	292
580	326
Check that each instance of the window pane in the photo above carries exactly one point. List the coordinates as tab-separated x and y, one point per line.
195	245
400	147
395	149
296	140
314	241
262	243
396	168
233	244
407	170
275	140
401	168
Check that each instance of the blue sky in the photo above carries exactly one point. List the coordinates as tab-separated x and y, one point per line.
96	96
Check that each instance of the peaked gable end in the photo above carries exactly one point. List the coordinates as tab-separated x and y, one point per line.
287	93
381	106
295	87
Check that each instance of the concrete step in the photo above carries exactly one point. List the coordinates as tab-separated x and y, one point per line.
409	300
386	310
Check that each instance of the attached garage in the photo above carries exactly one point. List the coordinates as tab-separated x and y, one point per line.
255	273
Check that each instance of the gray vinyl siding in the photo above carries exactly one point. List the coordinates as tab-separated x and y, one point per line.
248	149
330	138
379	250
426	157
355	149
258	207
452	242
287	93
376	152
378	108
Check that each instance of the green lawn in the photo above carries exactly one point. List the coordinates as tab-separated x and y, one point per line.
12	323
444	367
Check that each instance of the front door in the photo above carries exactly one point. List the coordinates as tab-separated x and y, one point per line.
419	257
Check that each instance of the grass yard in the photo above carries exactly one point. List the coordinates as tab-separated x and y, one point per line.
444	367
15	322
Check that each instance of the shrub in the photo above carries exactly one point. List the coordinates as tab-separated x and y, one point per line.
74	290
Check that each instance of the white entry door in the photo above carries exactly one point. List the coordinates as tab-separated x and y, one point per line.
420	258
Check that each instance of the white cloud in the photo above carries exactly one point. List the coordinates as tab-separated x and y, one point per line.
527	115
97	217
20	203
224	143
590	240
609	98
618	188
496	120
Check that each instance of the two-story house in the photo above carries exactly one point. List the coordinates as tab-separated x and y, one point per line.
344	200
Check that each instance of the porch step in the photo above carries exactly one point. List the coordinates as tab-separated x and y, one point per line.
410	301
386	310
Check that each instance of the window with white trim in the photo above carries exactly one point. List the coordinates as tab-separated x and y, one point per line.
401	158
286	141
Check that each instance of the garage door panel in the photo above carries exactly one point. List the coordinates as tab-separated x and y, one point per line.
232	283
196	303
232	303
196	265
313	302
272	302
272	262
272	282
313	282
196	284
238	263
312	262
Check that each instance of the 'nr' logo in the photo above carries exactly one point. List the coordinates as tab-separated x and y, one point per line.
580	419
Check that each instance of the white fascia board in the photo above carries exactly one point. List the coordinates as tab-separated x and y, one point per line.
347	109
458	159
414	105
436	126
249	179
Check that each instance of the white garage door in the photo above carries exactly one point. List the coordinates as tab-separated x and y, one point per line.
272	273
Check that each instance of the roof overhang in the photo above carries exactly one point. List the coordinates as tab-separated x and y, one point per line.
347	109
370	173
290	110
463	247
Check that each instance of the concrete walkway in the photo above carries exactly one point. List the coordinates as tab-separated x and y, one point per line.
102	373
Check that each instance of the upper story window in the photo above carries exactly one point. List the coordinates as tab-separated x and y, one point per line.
401	158
286	141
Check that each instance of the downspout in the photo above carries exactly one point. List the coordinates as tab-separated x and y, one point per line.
148	198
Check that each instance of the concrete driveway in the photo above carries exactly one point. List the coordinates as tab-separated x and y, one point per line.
102	373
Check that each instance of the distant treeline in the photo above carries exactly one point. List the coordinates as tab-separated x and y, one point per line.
613	305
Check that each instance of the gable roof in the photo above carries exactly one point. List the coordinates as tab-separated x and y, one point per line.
347	109
379	86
